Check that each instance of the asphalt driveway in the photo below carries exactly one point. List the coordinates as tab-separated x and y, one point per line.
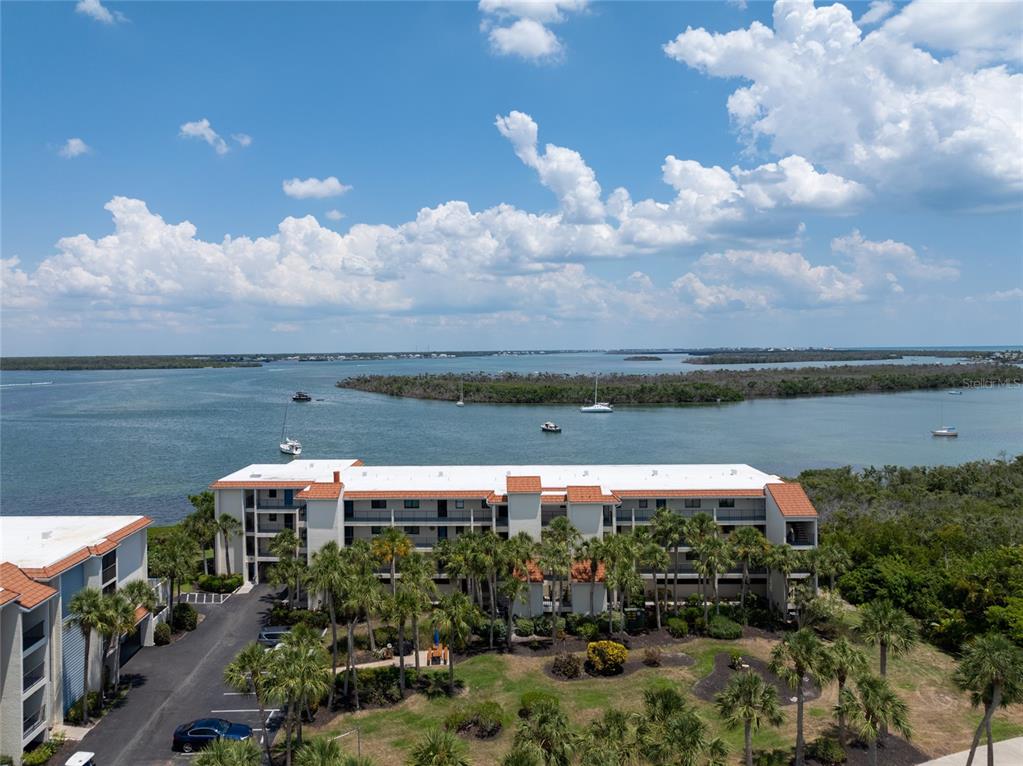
177	683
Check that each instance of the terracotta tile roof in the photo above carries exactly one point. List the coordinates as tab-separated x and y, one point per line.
104	546
546	499
494	499
418	494
535	573
523	484
581	571
791	499
357	461
673	493
589	494
260	484
321	490
28	592
7	595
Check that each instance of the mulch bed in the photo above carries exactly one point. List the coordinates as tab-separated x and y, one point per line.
708	688
633	664
896	752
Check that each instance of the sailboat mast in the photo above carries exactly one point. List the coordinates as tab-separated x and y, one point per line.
284	426
595	388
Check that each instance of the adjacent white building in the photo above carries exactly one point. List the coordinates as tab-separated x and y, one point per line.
345	500
44	562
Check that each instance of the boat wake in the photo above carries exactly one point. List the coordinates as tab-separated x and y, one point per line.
37	383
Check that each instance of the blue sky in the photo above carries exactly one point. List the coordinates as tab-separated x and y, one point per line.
508	175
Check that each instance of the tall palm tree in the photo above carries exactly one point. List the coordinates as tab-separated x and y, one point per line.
654	556
298	674
558	543
522	549
669	731
888	627
698	530
117	618
389	546
86	610
845	661
991	669
831	560
872	709
326	577
228	526
494	559
619	572
139	593
417	575
226	752
453	617
591	552
750	547
668	530
547	733
438	748
201	524
249	672
783	559
718	557
401	607
750	702
800	655
175	558
289	569
514	591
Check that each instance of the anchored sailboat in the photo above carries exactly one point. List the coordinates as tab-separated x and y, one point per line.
461	394
596	406
289	446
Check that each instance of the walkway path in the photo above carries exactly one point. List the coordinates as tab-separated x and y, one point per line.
1008	752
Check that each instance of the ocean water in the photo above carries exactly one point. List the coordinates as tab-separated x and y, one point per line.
140	441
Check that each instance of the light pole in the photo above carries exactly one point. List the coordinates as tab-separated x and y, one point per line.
358	739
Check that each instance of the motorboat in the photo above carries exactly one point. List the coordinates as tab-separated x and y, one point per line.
946	431
291	447
551	428
955	392
596	406
301	396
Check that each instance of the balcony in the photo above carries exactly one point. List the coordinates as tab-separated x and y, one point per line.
800	533
109	573
34	675
404	518
741	514
33	635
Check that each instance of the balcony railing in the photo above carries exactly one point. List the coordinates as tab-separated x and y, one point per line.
36	633
404	518
30	722
33	675
109	573
277	504
731	514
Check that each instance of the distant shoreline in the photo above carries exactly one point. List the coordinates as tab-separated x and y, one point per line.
699	387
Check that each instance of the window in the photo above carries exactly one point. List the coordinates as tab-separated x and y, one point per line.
460	505
726	502
375	530
411	530
271	517
644	503
271	493
411	505
459	530
378	505
692	502
661	503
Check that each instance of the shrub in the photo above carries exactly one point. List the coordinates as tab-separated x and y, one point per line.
543	626
531	699
723	628
74	715
652	657
677	627
6	760
184	617
435	683
606	657
162	634
482	629
776	757
588	631
567	666
826	750
42	754
735	660
282	615
693	615
212	583
617	622
379	686
482	720
524	627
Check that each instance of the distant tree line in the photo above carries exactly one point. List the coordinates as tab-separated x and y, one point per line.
684	388
12	363
823	355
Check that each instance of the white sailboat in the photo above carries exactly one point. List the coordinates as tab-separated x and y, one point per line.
596	406
288	445
461	394
949	432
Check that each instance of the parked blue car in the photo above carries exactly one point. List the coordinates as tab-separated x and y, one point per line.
195	735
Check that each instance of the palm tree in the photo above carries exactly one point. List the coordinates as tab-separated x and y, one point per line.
515	591
698	529
991	669
402	606
417	576
228	526
558	543
783	559
750	547
887	626
453	617
326	576
872	709
750	702
619	572
297	674
830	559
86	610
201	524
226	752
438	748
845	661
610	739
139	593
175	559
668	530
117	618
249	672
591	552
389	546
327	752
494	558
654	556
669	731
800	655
289	568
717	557
547	733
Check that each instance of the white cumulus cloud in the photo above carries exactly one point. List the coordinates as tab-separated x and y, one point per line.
74	147
314	188
334	215
521	27
202	130
96	10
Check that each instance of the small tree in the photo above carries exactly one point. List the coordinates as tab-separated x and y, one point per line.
891	629
845	661
991	669
872	708
453	617
86	610
438	748
546	732
750	702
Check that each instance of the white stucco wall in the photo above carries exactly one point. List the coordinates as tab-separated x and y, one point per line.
524	514
588	518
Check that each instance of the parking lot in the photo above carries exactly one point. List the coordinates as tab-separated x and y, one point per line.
178	683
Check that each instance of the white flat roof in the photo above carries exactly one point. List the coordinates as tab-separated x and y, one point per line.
360	478
39	541
299	469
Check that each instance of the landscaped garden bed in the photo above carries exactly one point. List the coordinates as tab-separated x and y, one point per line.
712	685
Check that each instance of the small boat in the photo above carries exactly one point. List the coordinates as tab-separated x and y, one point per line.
596	406
946	431
461	394
551	428
955	393
288	445
301	396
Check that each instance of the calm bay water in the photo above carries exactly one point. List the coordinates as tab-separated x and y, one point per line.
139	441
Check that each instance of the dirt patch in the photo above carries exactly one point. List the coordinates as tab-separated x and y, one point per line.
632	665
708	688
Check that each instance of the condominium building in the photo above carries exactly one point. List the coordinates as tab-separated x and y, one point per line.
345	500
44	562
